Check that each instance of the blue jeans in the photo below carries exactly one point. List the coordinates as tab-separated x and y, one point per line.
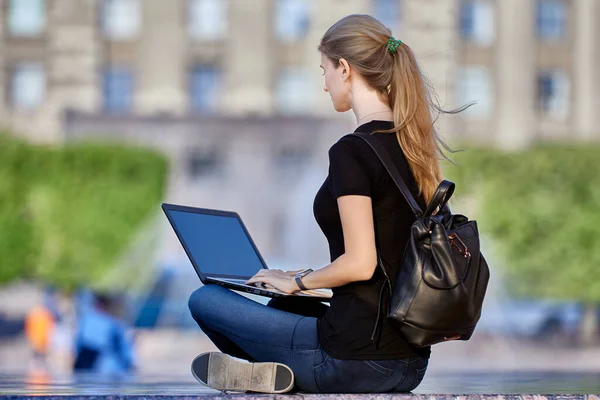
243	328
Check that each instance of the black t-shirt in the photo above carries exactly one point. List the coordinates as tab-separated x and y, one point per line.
346	330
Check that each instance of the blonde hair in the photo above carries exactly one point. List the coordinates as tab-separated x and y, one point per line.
361	40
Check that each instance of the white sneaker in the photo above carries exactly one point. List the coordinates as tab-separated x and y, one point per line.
224	372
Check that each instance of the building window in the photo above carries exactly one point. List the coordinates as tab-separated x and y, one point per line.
475	86
477	21
27	86
293	91
205	86
204	162
551	19
387	12
26	17
291	19
117	89
121	19
207	19
553	94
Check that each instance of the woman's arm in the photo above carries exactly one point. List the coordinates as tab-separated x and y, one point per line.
359	260
358	263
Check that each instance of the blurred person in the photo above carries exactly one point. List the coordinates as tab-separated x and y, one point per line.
83	300
348	346
40	323
102	344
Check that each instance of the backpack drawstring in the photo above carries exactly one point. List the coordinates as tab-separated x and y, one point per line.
378	316
386	280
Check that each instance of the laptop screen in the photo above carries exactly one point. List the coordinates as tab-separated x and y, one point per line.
217	244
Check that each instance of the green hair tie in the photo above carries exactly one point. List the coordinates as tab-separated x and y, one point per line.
392	45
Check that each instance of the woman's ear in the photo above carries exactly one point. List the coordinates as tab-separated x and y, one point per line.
345	69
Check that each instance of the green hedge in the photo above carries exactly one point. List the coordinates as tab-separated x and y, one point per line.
67	213
541	206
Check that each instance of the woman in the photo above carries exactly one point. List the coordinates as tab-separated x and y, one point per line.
349	346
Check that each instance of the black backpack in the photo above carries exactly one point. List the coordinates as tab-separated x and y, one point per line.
439	290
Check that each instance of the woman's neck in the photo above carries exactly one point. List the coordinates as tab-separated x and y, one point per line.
386	115
367	106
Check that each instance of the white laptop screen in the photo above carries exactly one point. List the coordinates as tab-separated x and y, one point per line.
217	244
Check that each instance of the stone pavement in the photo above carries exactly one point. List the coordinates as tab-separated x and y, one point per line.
461	386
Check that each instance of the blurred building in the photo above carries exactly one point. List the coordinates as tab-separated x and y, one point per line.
532	67
529	64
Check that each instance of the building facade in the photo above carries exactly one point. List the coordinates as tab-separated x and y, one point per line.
530	65
186	57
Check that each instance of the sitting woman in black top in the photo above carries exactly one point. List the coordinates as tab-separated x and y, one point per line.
345	347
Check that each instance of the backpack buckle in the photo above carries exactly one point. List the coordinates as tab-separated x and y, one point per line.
460	246
446	338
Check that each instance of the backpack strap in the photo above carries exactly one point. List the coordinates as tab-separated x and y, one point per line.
391	168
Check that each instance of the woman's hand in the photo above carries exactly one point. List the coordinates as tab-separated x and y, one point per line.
280	280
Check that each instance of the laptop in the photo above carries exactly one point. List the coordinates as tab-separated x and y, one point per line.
222	251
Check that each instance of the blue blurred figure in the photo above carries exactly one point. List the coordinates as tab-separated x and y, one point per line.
101	343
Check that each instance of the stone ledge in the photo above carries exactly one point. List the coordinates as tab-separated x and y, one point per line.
207	396
164	386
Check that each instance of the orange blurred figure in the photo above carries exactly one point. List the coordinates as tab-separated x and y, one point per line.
39	324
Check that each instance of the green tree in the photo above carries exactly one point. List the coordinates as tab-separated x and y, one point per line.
18	249
542	207
77	207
